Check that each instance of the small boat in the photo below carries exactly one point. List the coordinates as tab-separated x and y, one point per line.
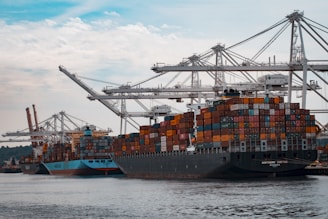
11	166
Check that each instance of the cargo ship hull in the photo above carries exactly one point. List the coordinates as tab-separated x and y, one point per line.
215	164
33	168
10	170
82	167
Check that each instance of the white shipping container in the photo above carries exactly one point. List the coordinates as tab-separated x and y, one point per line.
234	107
266	106
153	135
176	147
287	105
272	112
245	106
163	138
261	106
163	148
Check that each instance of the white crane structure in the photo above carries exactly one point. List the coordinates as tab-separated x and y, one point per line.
234	62
220	62
126	116
57	128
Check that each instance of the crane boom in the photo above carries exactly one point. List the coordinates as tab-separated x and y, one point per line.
29	119
35	118
107	103
291	67
89	90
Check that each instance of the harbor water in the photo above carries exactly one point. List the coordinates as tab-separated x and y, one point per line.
45	196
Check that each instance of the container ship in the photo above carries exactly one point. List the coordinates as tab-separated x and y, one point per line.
86	155
233	137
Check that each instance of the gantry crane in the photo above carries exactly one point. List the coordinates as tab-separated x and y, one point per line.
59	128
220	62
237	63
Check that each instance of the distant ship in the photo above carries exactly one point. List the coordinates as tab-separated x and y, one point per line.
88	156
236	137
11	166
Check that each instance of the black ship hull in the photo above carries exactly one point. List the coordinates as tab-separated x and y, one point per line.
33	168
212	163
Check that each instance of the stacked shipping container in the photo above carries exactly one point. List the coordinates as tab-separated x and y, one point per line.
255	124
241	124
88	147
172	134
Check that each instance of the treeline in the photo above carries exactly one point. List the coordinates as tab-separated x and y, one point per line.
7	152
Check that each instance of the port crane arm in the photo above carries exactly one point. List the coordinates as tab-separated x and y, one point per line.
108	104
286	68
90	91
310	87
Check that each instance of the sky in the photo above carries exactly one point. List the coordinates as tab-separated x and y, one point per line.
116	42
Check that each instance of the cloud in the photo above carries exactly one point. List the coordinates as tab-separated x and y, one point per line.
166	26
112	13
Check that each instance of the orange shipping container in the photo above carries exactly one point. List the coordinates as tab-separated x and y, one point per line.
208	115
246	100
173	122
283	135
263	136
276	100
273	136
216	138
178	117
170	132
226	137
308	129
